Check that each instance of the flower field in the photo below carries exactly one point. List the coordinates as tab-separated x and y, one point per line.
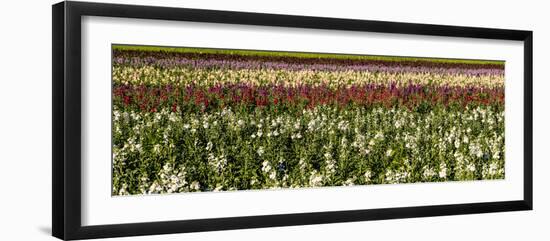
189	119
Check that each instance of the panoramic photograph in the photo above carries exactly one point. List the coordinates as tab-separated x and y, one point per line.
207	120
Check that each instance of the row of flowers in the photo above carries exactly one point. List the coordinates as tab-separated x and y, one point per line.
183	75
152	98
165	152
170	58
296	66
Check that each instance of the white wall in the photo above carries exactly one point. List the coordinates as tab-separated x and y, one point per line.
25	119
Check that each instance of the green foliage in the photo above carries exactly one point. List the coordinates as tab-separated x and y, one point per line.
324	146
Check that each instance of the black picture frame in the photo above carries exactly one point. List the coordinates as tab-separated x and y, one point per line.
66	122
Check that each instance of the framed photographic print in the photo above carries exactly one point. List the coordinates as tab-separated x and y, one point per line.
170	120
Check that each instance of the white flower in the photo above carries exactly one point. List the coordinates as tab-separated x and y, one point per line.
330	168
367	175
195	185
122	190
397	124
479	153
116	114
475	150
343	125
156	148
428	172
153	188
138	147
260	151
266	167
349	182
302	164
315	179
389	176
167	167
389	152
471	167
496	155
493	168
459	157
272	175
442	170
296	136
344	142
